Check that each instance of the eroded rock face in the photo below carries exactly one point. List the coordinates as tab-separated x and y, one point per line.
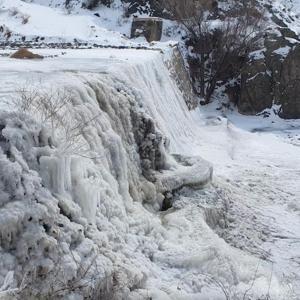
256	88
181	76
272	79
290	85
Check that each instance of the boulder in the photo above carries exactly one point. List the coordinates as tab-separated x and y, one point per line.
24	53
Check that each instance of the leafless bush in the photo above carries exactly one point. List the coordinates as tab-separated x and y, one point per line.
221	40
48	105
25	19
41	283
53	108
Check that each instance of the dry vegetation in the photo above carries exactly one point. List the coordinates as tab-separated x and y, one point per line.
53	107
220	39
24	53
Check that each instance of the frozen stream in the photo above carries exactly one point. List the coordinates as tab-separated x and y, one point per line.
238	237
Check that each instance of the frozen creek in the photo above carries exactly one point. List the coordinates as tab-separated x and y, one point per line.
80	213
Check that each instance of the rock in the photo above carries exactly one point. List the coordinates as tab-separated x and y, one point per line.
179	73
150	28
272	79
151	144
233	93
24	53
256	88
290	85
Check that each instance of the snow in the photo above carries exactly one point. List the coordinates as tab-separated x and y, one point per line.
283	51
288	11
107	203
55	24
47	22
258	54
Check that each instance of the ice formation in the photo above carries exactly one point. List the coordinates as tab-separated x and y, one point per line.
86	221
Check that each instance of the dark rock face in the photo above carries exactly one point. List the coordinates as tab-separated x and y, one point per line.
23	53
256	88
151	144
179	73
290	85
272	79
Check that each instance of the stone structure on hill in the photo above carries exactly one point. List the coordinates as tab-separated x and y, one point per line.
150	28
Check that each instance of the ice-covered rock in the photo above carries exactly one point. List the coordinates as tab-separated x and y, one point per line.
69	211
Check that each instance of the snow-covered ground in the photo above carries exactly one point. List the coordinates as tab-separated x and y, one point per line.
237	238
51	22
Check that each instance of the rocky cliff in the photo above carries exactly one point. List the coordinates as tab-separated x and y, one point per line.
271	77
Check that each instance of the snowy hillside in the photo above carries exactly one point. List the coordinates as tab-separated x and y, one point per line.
35	22
46	21
55	21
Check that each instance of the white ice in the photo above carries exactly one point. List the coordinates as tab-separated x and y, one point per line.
175	254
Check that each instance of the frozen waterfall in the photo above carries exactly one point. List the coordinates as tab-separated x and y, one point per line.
80	212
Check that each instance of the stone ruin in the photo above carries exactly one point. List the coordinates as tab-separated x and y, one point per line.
150	28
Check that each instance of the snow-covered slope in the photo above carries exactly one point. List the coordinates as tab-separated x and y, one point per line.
43	23
287	12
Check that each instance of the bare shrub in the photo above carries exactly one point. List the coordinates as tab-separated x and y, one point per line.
13	11
43	283
47	104
220	40
53	108
91	4
25	19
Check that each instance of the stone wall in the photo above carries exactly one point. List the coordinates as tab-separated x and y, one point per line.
180	74
150	28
